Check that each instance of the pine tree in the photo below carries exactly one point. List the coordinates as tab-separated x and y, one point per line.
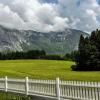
82	54
88	56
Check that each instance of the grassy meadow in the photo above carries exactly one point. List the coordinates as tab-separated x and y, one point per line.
44	69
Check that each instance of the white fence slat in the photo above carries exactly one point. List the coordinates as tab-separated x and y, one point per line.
53	88
58	88
26	86
96	91
75	90
70	92
93	91
81	90
65	93
99	90
83	94
6	84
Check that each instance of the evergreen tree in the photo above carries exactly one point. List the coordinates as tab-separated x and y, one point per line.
82	52
88	56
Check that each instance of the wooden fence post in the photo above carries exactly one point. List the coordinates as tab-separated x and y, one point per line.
58	88
26	86
6	83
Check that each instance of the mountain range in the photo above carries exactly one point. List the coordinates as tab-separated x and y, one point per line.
52	42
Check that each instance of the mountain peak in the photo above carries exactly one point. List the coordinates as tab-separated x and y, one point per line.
51	42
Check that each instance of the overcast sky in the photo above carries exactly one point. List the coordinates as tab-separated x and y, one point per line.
50	15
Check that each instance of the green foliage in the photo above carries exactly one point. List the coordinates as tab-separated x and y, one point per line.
32	54
88	57
70	56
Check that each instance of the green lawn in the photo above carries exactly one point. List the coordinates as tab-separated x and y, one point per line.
44	69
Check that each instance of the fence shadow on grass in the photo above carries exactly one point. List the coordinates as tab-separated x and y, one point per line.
12	96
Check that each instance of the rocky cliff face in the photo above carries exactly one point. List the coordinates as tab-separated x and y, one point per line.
52	42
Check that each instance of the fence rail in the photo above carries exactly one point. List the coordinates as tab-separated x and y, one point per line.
52	88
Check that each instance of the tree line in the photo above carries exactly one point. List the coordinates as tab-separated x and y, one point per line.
32	54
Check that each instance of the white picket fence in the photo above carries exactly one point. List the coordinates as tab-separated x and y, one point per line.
56	89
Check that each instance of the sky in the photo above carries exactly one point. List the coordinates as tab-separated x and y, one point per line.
50	15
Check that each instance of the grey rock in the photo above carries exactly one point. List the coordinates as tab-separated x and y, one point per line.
51	42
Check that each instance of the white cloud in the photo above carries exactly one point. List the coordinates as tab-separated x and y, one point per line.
86	13
9	18
39	16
